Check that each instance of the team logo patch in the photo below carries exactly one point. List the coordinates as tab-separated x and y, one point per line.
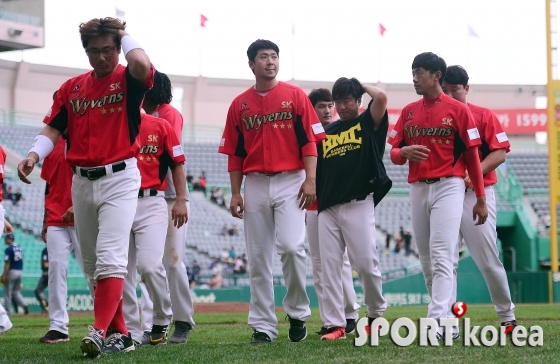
393	133
49	113
409	116
446	121
243	106
317	128
286	104
502	137
177	151
222	142
473	134
76	88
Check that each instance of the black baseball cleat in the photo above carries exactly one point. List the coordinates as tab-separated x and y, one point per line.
260	338
158	336
117	343
181	333
92	343
298	331
350	326
322	331
509	326
54	336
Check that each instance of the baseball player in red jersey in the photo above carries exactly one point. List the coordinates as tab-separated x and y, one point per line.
159	150
5	323
270	136
431	134
351	180
100	110
322	102
157	103
60	234
481	240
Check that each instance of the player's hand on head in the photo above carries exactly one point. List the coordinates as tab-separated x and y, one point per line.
179	214
306	194
25	167
480	211
415	153
236	206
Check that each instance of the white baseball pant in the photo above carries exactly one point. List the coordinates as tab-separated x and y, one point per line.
349	226
272	219
481	243
104	210
5	323
179	288
61	242
147	242
436	210
147	306
351	307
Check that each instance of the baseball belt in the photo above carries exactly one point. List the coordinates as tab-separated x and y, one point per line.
96	173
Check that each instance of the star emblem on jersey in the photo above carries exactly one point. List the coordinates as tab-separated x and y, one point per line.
141	158
289	126
103	111
282	126
275	126
148	159
439	141
119	108
112	110
433	140
447	141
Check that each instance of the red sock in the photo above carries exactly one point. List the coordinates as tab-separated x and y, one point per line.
118	324
108	294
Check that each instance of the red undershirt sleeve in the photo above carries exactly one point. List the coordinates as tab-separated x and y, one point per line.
396	157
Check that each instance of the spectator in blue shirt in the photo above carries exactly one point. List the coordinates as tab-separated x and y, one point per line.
13	272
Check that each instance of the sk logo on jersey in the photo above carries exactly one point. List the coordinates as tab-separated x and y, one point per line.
255	122
446	121
115	86
413	132
286	104
153	138
80	106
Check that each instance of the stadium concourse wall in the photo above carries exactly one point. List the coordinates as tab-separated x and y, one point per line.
525	287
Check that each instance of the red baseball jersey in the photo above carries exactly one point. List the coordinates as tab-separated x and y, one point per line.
159	150
102	116
2	165
492	135
58	175
445	126
271	133
173	116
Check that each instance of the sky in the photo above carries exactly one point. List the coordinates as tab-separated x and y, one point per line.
498	42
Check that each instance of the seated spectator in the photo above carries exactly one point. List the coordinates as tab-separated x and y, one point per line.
225	256
225	230
201	184
232	254
17	197
217	281
195	269
239	266
8	195
216	266
190	177
233	231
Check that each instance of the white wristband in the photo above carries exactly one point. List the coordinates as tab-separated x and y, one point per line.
42	145
128	43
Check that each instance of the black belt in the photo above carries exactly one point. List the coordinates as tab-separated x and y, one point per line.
96	173
433	180
152	193
357	199
271	174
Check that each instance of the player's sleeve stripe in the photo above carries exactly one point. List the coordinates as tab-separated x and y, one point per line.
393	133
502	137
473	134
177	151
317	128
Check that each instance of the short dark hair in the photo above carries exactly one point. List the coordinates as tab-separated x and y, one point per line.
457	75
259	44
320	94
101	27
344	87
160	93
430	62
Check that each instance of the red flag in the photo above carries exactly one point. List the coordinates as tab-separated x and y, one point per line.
382	29
203	20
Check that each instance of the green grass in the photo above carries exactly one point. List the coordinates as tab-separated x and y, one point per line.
224	338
